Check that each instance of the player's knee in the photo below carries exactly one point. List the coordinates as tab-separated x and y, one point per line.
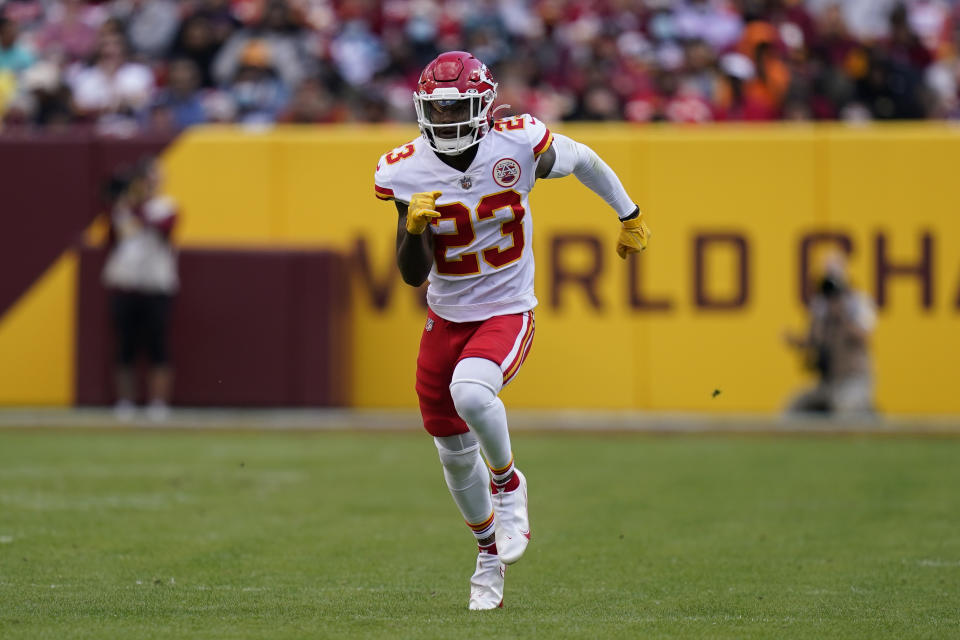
474	387
470	398
457	462
458	454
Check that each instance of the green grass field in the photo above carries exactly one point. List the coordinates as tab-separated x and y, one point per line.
172	534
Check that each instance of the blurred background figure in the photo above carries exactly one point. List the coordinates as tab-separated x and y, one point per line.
837	347
13	55
312	104
258	89
180	104
277	40
14	60
141	274
113	91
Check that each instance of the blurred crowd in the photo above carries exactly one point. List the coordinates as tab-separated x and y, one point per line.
123	66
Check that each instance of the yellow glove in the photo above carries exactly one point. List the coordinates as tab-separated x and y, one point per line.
633	237
420	211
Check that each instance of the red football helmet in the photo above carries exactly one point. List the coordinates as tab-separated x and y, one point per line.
453	100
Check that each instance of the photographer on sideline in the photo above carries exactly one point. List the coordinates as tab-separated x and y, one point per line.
141	274
836	346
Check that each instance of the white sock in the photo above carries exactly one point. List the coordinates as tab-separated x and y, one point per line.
474	388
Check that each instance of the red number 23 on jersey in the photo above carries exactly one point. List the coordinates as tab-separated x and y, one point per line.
464	234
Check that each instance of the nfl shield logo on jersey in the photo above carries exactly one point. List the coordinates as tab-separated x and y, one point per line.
466	182
429	324
506	172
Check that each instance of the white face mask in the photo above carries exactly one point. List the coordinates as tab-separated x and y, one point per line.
451	122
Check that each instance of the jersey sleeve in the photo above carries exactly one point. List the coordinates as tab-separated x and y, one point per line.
382	184
539	134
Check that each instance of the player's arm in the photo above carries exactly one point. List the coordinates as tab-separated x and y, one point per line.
566	156
414	238
545	163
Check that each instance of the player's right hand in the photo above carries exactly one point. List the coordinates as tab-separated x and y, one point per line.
421	210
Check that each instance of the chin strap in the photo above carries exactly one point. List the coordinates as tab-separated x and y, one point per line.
493	114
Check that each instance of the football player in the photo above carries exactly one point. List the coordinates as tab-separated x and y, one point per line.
461	191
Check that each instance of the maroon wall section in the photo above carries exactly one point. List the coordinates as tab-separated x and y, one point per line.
50	192
249	328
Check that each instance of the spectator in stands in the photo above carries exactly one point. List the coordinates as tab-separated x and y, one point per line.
141	274
736	70
357	54
14	57
312	104
114	91
836	346
943	80
893	87
712	21
196	42
764	92
700	74
180	101
638	60
151	26
598	103
13	60
44	99
866	19
70	32
282	39
257	90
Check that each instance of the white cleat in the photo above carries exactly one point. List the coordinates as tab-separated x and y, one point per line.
158	411
512	521
124	411
486	584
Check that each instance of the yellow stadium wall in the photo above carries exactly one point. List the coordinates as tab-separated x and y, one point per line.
650	340
37	340
653	346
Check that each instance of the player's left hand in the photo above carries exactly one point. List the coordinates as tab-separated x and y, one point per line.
633	237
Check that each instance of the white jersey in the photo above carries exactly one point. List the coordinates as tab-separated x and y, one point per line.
483	251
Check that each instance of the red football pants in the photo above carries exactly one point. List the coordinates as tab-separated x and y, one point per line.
505	340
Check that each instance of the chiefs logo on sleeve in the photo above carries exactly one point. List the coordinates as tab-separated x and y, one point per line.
506	172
